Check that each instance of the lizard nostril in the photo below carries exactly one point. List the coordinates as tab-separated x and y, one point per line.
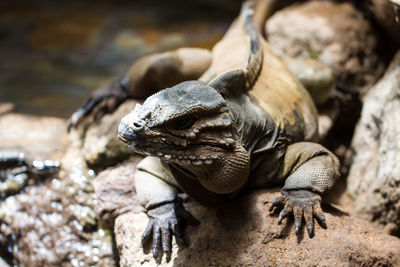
137	126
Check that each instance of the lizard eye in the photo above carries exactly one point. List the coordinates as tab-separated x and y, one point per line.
183	123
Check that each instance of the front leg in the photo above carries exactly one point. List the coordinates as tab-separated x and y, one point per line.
157	191
164	221
311	170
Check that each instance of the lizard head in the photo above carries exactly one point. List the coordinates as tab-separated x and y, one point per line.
188	125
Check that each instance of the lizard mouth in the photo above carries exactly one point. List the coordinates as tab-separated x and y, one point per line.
197	154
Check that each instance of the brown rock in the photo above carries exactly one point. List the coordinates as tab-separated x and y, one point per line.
38	137
6	107
335	33
50	225
115	191
374	177
101	146
241	233
314	75
51	222
387	14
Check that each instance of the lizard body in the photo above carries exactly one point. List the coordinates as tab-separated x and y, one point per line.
246	123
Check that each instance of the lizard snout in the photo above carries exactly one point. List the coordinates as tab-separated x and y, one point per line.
127	133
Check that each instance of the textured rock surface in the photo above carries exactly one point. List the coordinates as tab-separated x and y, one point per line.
115	191
41	137
314	75
385	12
241	233
374	178
335	33
6	107
101	145
51	222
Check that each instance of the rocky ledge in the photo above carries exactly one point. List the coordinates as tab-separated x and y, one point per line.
243	233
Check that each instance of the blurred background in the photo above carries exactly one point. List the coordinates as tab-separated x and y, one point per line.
54	53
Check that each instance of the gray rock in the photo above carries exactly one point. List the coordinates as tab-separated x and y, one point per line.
101	147
241	233
51	222
115	191
374	178
314	75
335	33
387	14
38	137
6	107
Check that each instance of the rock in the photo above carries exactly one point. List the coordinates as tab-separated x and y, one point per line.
101	146
314	75
374	178
51	222
327	115
44	226
3	263
35	137
5	108
386	13
115	191
38	137
335	33
241	233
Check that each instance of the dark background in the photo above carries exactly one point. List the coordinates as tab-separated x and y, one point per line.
54	53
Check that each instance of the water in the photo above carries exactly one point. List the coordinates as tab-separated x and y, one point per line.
54	53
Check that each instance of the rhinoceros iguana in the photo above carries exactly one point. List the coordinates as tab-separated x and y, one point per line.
245	123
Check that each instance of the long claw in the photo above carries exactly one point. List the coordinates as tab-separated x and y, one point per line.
166	242
298	217
277	202
308	217
156	244
319	214
83	111
148	232
284	213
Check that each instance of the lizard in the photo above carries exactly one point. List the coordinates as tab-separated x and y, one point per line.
245	123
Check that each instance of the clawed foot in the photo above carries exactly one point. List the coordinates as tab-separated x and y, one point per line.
165	221
302	204
101	102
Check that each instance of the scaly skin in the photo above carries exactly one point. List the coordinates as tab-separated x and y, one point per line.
246	122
